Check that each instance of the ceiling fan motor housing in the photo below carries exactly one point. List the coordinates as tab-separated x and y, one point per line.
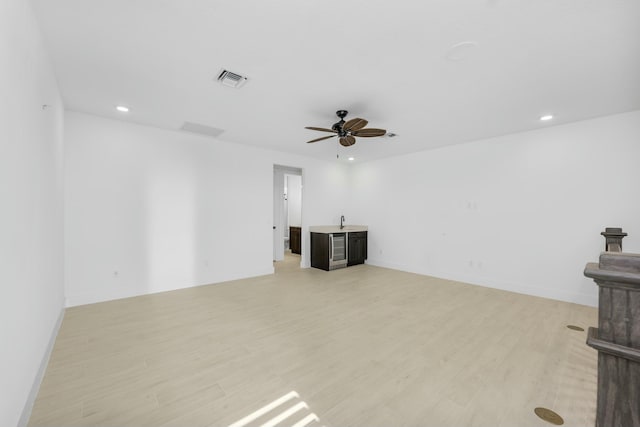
338	126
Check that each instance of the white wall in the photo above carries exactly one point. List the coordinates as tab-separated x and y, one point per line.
167	210
521	212
517	212
31	274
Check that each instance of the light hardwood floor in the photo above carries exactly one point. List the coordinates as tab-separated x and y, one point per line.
362	346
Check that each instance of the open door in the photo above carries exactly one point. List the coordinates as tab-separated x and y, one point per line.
281	207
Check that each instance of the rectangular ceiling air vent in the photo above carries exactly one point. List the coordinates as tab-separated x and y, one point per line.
201	129
231	79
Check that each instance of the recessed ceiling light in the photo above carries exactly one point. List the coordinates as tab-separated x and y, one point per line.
546	117
351	159
122	109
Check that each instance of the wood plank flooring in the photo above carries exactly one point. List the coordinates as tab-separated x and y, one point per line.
362	346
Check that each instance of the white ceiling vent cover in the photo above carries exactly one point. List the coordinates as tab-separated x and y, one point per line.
231	79
201	129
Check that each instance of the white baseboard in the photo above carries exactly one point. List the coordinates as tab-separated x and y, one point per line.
549	292
103	295
31	399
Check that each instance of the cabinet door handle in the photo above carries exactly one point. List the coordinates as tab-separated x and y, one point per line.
331	247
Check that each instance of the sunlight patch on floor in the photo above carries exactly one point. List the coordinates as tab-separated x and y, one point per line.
274	414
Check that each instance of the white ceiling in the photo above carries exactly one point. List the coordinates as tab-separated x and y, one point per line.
385	61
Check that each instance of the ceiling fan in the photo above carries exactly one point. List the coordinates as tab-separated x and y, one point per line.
347	131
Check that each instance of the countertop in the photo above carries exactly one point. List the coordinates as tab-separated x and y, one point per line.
336	228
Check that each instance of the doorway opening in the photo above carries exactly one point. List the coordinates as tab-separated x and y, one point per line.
287	214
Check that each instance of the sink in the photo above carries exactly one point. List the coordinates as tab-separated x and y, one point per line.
336	228
353	228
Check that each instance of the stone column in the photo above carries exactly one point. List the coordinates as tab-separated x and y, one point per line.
613	239
617	338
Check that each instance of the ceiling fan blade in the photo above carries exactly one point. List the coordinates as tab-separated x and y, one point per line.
321	129
347	141
320	139
368	133
355	124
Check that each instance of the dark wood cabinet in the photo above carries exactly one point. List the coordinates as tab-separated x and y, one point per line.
295	240
357	247
320	251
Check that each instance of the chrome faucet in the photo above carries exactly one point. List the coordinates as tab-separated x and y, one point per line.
341	222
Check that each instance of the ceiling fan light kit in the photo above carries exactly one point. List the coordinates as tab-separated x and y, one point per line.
347	131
